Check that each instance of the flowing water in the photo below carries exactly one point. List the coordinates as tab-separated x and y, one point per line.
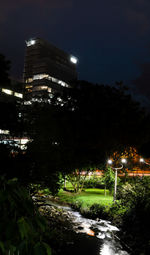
96	237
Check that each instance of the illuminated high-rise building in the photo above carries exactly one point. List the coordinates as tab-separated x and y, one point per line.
47	69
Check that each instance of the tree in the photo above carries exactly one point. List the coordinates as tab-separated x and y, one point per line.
77	178
24	230
81	128
109	179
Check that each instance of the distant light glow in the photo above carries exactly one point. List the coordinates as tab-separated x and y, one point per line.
40	76
28	80
74	60
47	77
123	160
109	161
30	42
27	102
22	143
16	94
5	132
38	88
7	91
142	160
49	90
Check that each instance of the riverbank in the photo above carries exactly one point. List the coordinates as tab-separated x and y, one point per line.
64	239
130	214
75	234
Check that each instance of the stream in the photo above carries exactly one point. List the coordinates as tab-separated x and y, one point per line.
96	237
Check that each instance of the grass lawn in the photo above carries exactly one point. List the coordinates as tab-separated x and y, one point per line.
87	197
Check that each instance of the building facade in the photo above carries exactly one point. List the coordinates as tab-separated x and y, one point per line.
47	69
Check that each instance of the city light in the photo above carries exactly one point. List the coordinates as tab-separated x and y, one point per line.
16	94
74	60
4	132
30	42
7	91
142	160
109	161
123	160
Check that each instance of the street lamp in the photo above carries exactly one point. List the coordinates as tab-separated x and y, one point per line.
110	162
143	161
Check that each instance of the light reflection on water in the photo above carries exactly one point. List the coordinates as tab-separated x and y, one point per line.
109	248
100	229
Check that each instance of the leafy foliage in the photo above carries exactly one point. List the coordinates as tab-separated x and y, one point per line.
133	209
81	129
23	230
109	178
94	181
77	179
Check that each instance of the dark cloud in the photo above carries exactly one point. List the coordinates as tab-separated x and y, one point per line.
8	7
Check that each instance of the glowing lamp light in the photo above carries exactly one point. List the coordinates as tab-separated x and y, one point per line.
123	160
74	60
109	161
142	160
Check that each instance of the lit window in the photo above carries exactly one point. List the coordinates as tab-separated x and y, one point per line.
5	132
40	76
7	91
55	80
49	90
29	80
28	86
27	102
46	76
18	95
37	88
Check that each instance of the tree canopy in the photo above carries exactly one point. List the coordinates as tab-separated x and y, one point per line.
82	126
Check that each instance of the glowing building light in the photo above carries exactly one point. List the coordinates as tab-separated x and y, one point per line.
18	95
40	76
4	132
74	60
7	91
30	42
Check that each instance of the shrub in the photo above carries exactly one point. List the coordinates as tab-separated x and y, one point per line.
94	211
116	212
93	182
135	219
23	230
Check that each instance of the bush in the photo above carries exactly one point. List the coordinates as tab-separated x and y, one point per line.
116	212
135	219
23	230
94	211
98	211
93	182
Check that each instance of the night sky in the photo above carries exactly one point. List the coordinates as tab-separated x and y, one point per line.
111	38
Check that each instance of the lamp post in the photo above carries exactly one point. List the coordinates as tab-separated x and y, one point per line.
110	162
